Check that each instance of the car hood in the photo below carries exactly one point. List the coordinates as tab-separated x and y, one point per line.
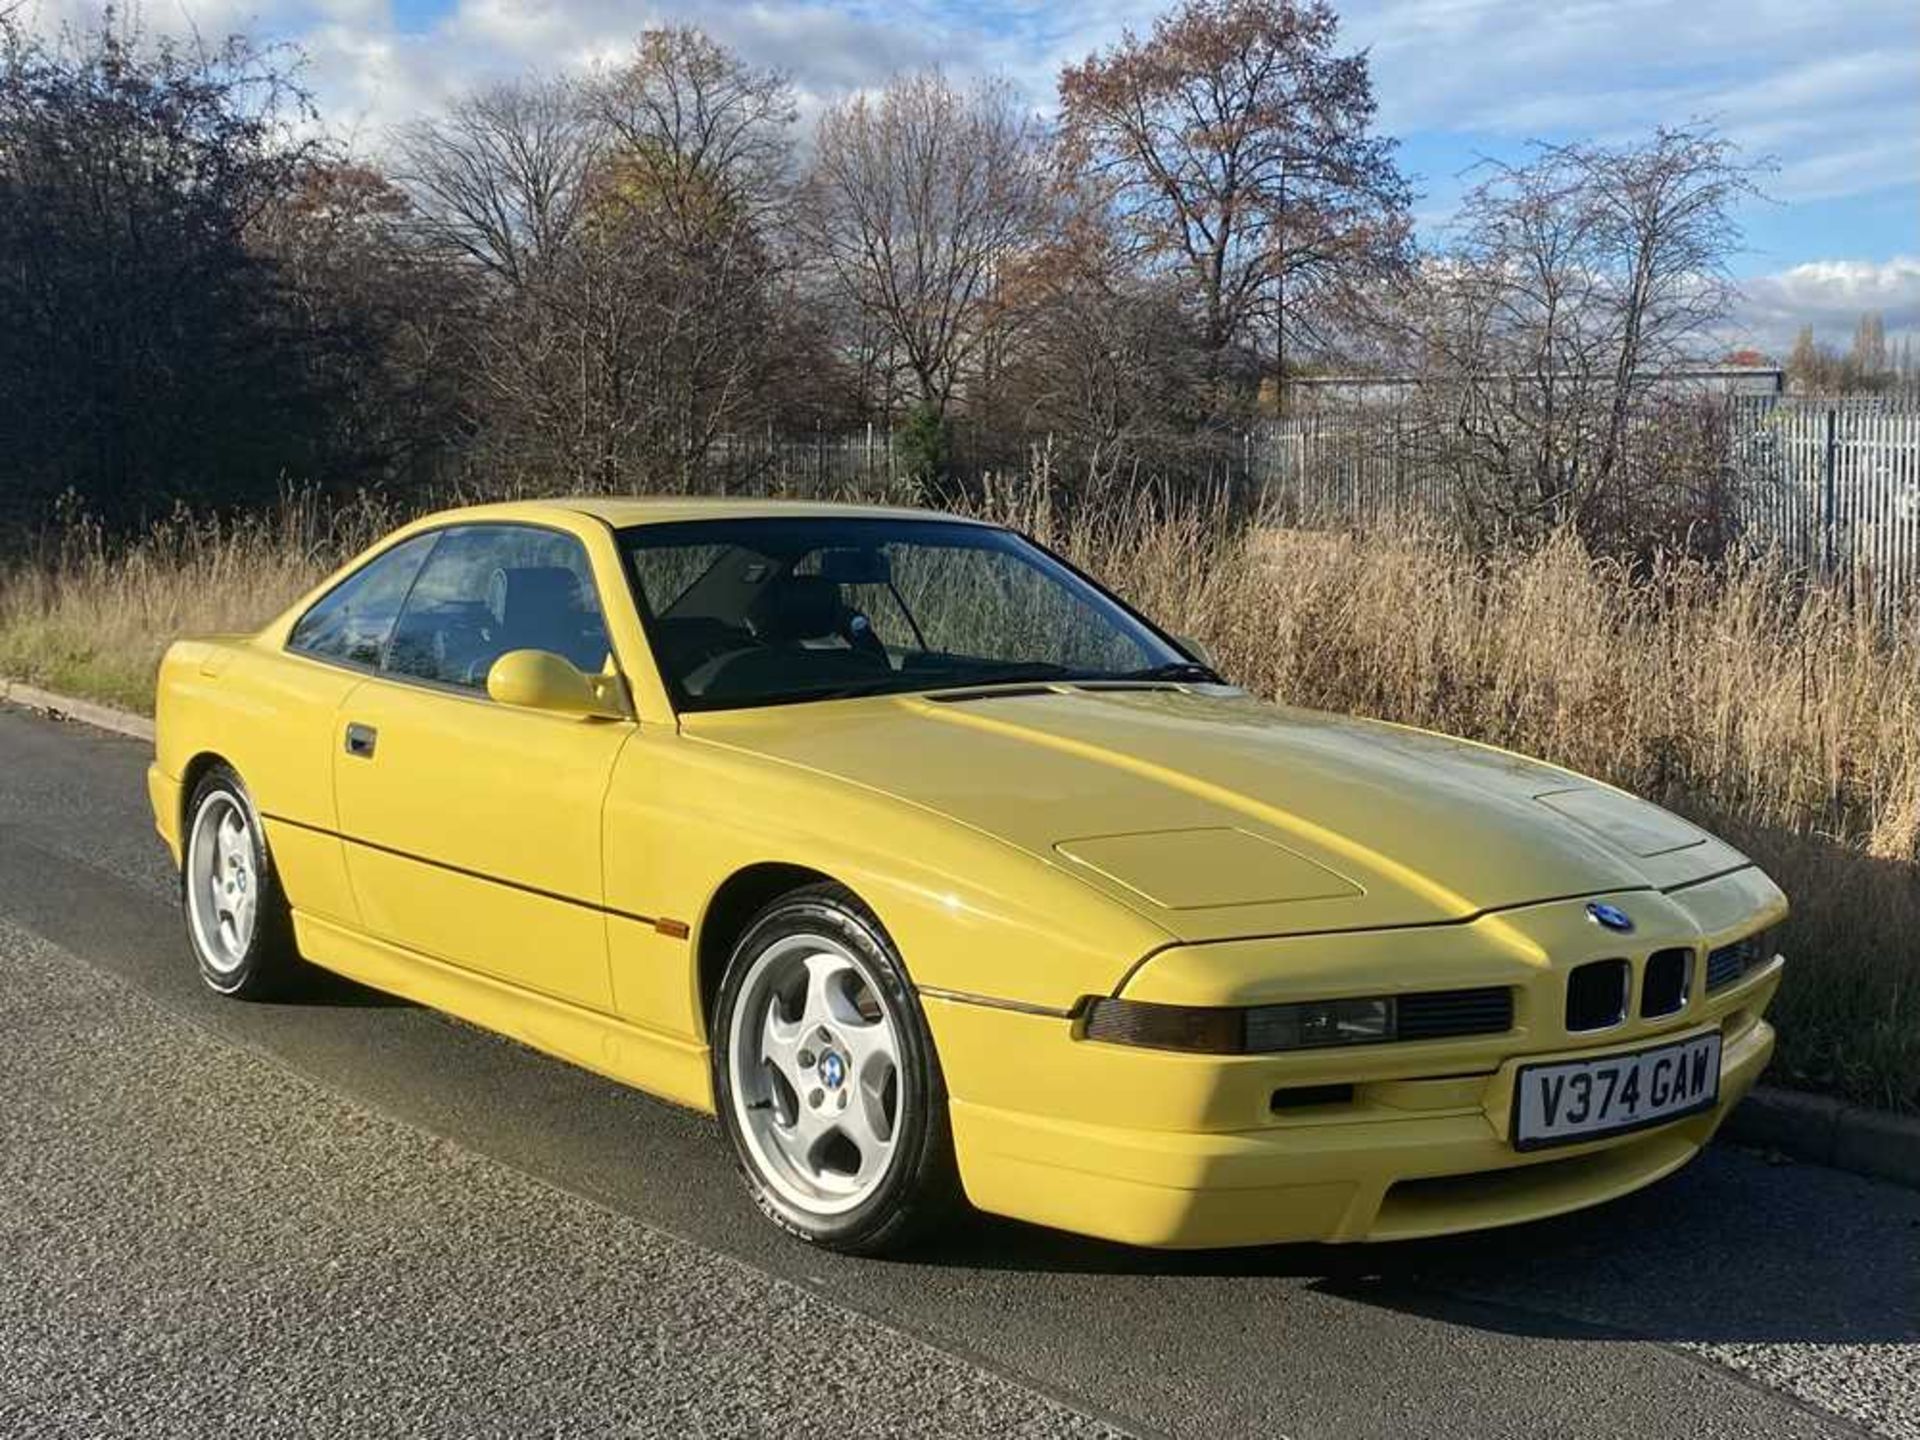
1219	816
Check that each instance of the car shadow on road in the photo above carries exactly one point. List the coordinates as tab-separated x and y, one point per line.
322	987
1733	1250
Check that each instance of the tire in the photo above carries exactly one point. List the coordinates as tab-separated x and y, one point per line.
237	918
826	1079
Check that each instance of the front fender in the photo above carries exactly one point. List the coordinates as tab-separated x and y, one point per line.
971	914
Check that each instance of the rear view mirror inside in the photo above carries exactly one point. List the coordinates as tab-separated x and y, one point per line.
856	567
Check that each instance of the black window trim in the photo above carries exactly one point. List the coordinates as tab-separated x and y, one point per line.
439	532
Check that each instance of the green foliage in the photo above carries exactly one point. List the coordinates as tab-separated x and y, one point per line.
923	445
196	297
142	343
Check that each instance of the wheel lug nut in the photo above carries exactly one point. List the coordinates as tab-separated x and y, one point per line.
815	1098
807	1059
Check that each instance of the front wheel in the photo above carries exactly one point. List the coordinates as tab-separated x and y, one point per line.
827	1080
237	916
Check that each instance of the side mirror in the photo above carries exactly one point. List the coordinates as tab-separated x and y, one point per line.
1196	650
542	680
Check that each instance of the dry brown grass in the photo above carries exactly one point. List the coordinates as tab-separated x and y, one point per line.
91	617
1785	718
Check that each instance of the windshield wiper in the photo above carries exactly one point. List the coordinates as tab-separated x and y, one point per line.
848	691
1027	672
904	683
1015	673
1189	670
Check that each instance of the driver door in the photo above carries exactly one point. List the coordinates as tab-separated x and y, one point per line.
473	829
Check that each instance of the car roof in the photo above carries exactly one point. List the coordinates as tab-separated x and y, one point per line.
621	511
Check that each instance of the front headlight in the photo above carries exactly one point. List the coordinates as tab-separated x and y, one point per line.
1259	1029
1319	1022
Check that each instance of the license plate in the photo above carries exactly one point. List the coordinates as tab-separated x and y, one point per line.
1569	1100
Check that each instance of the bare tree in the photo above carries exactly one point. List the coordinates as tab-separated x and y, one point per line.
1239	147
691	192
380	319
1867	366
498	187
500	179
1805	363
1578	285
1868	357
630	288
701	136
1107	365
1664	226
917	200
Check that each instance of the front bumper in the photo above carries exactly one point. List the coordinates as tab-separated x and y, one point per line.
1158	1148
1377	1177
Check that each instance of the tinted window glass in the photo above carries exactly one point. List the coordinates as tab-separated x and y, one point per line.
351	622
488	589
972	600
760	611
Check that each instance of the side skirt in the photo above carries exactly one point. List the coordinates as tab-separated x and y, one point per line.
661	1065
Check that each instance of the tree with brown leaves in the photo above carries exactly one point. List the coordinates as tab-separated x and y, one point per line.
619	228
1238	147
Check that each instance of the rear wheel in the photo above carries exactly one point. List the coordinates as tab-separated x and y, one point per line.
827	1080
237	917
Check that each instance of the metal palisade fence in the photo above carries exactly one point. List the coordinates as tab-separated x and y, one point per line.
1830	486
1834	486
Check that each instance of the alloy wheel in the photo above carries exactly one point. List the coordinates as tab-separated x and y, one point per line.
816	1077
223	883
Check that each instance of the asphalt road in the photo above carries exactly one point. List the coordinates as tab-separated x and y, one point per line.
351	1216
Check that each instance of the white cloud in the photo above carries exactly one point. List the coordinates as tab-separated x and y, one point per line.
827	50
1831	296
211	20
1826	87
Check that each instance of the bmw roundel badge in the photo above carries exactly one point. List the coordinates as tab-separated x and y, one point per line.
1610	917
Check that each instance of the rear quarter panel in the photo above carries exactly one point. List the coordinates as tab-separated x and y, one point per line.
271	717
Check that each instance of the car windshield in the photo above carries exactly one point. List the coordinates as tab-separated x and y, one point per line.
770	610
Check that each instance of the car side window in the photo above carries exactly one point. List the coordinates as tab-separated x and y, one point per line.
352	621
488	589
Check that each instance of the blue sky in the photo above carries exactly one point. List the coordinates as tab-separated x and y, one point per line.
1829	88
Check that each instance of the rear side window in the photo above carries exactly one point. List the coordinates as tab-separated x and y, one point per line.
352	621
489	589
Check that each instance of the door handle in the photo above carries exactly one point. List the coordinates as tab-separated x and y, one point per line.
360	740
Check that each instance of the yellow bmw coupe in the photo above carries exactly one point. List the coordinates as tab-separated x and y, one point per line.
938	872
